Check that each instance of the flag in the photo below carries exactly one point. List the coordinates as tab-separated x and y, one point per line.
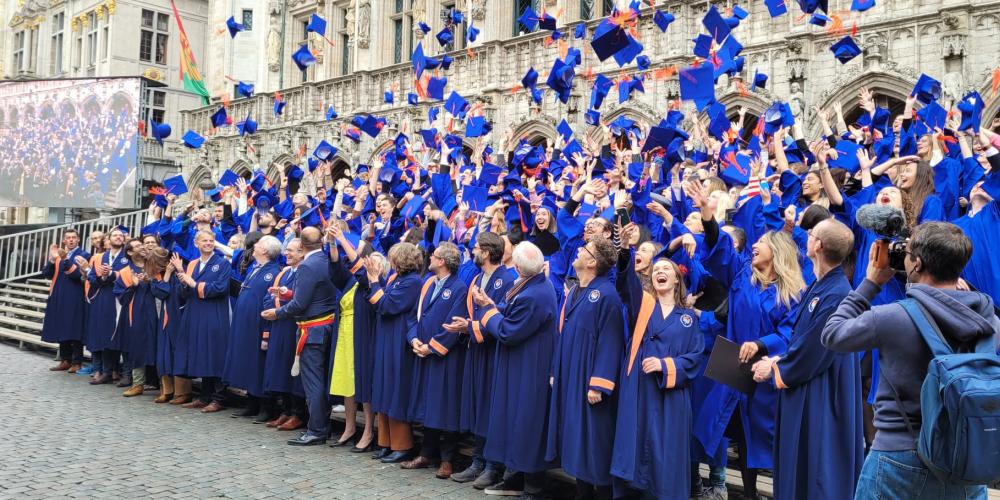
193	81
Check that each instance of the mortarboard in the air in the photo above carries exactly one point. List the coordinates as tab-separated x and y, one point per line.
412	99
192	140
718	123
580	31
627	86
593	117
698	85
279	107
489	175
927	89
661	137
435	87
561	80
530	79
160	131
862	5
331	114
389	97
446	61
303	57
444	37
776	7
429	135
703	46
622	126
845	49
740	13
810	6
991	184
312	164
475	197
730	48
228	178
536	95
735	169
419	60
608	39
602	85
258	181
635	171
373	125
477	126
214	194
529	19
324	151
547	22
233	26
413	207
847	156
716	24
818	19
248	126
175	185
880	122
316	25
564	130
573	56
971	107
244	89
570	149
663	20
933	115
424	27
455	16
472	33
220	117
358	120
294	173
642	62
432	114
455	104
759	80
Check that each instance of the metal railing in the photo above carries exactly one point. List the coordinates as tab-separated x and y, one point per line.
24	254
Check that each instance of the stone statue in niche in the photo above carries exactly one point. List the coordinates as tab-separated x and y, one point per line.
364	24
419	12
796	100
273	49
477	9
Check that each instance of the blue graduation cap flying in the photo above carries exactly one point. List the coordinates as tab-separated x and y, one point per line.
663	20
927	89
303	57
472	33
192	140
324	151
845	49
244	89
233	26
160	131
316	25
455	104
971	107
175	185
247	126
220	117
529	18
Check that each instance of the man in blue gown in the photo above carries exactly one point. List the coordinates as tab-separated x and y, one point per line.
65	313
819	401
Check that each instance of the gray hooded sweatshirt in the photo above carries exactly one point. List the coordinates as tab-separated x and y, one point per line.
963	317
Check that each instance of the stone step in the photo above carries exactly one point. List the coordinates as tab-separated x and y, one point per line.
30	287
22	323
17	311
26	338
39	281
37	304
23	294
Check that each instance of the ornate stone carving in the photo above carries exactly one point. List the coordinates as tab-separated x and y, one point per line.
419	13
796	68
364	24
953	45
153	74
950	21
477	10
112	6
794	46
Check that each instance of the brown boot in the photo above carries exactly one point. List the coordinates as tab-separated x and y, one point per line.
181	399
444	472
61	367
135	390
163	398
279	421
292	424
73	368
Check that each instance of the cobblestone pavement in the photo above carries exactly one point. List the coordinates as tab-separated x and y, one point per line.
64	438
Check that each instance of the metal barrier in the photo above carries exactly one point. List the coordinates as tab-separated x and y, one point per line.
24	254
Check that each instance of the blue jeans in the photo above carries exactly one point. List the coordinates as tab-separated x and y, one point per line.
901	475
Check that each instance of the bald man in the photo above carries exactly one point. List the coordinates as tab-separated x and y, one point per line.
819	402
314	302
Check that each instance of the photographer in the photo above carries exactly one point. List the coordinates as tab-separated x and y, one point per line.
934	258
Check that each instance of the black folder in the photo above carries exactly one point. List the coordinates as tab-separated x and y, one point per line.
724	366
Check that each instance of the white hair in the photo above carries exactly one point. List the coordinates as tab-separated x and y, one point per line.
271	246
528	259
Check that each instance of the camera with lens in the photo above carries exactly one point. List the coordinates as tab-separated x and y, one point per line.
889	223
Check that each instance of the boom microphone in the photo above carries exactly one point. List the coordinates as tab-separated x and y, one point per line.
883	220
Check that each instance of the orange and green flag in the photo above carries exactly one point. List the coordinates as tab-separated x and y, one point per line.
193	82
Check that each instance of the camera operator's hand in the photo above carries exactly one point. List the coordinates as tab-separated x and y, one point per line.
878	272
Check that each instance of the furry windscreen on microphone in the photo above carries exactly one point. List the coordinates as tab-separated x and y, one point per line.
882	219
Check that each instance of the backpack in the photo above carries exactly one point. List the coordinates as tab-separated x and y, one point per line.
959	438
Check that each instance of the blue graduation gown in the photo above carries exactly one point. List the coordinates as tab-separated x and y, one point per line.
65	308
524	324
138	319
364	335
171	307
204	333
588	356
244	358
754	314
435	400
819	443
396	312
983	269
654	410
102	316
477	374
280	354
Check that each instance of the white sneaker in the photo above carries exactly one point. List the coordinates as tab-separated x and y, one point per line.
338	409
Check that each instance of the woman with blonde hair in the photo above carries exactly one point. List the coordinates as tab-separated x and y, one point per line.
764	289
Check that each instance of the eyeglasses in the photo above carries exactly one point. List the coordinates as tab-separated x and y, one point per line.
585	249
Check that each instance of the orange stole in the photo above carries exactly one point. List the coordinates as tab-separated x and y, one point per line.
642	321
423	293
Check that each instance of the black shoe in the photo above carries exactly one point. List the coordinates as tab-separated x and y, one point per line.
381	453
263	417
397	456
353	438
307	440
506	488
371	447
246	412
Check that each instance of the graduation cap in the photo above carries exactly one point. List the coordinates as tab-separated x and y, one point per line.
991	184
432	114
529	19
258	181
661	137
456	16
626	55
424	27
776	7
413	207
847	156
602	85
312	164
735	169
561	80
412	99
373	125
810	6
862	5
703	46
279	107
303	57
547	22
564	130
316	25
324	151
818	19
247	126
642	62
233	26
419	60
192	140
446	61
444	37
698	85
716	24
294	173
265	199
927	89
244	89
663	20
389	98
175	185
626	86
477	126
530	79
160	131
759	80
740	13
220	117
846	49
455	104
580	31
718	123
971	107
228	178
608	39
933	115
429	135
472	33
435	87
593	117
